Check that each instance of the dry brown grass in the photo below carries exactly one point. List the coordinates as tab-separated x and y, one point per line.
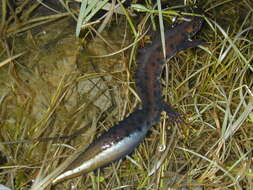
51	86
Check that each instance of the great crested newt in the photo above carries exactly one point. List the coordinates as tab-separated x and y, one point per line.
121	139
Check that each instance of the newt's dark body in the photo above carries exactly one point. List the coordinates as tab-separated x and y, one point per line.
121	139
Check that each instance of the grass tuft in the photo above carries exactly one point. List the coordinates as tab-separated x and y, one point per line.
53	84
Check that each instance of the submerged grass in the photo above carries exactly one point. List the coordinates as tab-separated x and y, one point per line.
52	85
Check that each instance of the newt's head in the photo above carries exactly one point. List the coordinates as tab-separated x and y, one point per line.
196	22
192	23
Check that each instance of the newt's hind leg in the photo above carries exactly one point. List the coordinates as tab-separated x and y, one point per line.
173	115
